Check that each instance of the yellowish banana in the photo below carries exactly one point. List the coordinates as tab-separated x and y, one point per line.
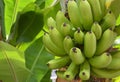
84	71
96	9
51	46
96	28
85	14
74	14
101	61
106	41
89	44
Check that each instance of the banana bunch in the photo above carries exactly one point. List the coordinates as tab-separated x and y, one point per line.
81	41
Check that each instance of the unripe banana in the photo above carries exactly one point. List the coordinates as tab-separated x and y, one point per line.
68	44
71	71
115	63
49	51
73	12
60	74
103	7
96	28
60	19
116	54
51	46
56	37
89	44
67	29
79	36
101	61
108	3
117	30
105	73
51	22
59	62
106	41
85	14
96	9
76	55
84	71
108	21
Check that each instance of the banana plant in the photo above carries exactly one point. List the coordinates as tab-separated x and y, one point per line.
23	56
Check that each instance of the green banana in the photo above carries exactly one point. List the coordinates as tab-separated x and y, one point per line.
56	37
60	19
76	55
101	61
105	73
79	36
117	30
51	22
67	29
96	9
60	74
84	71
96	28
116	54
115	63
73	12
71	71
51	46
108	21
107	39
68	44
85	14
103	7
59	62
89	44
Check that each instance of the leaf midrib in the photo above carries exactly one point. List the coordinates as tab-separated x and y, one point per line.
11	67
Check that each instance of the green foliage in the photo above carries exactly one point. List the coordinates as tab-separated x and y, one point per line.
12	64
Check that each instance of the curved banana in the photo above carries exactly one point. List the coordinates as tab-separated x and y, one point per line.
101	61
76	55
85	14
51	46
115	63
51	22
56	37
59	62
108	21
79	36
68	44
73	12
96	9
60	19
84	71
71	71
89	44
107	39
67	29
105	73
103	7
96	28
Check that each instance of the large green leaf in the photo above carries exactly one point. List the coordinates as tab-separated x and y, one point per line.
115	7
12	64
12	7
27	26
36	59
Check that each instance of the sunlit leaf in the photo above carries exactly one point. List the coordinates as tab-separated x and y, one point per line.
27	26
12	64
12	7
